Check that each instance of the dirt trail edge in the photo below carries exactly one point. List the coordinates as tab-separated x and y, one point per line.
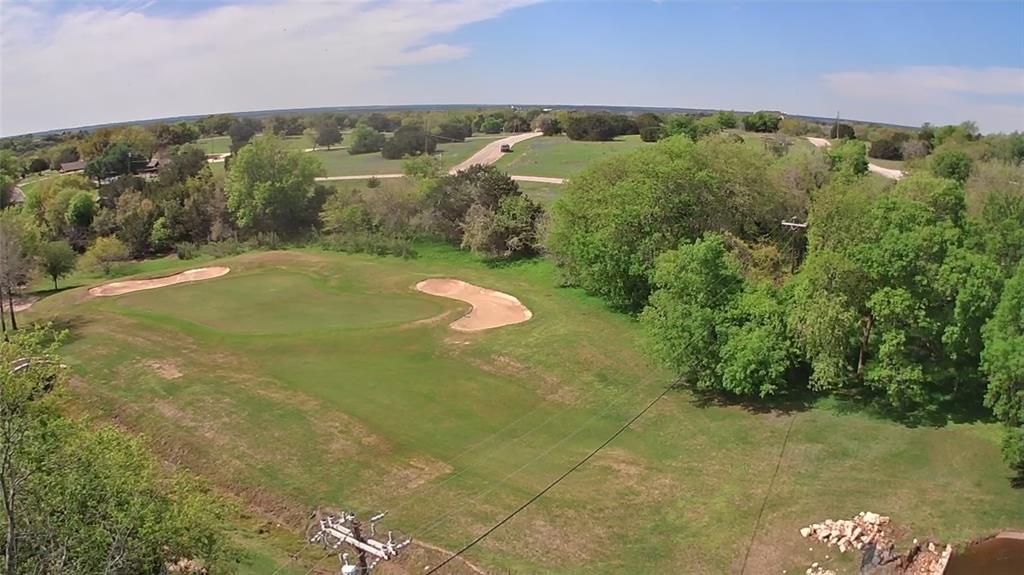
887	172
128	286
491	308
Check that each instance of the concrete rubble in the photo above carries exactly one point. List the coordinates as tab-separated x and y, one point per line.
864	529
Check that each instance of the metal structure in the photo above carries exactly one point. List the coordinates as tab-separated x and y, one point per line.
335	531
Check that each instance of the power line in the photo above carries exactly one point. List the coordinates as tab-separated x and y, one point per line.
428	527
616	401
767	493
551	485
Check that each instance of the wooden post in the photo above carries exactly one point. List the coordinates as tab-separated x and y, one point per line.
357	533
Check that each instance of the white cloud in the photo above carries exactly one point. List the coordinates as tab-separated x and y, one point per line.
994	96
99	64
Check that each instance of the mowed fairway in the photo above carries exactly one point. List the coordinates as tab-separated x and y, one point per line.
560	157
309	378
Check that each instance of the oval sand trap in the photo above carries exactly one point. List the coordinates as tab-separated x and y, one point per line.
128	286
491	308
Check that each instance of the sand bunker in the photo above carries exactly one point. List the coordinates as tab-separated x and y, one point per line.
491	308
128	286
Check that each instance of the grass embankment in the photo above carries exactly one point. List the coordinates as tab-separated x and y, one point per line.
308	378
560	157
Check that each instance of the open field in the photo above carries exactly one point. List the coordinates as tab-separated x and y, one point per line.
560	157
756	140
222	144
215	144
341	163
306	378
543	194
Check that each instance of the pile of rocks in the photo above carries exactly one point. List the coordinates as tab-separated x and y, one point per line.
927	559
864	529
816	569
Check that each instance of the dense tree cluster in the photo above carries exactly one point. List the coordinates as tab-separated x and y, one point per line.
480	209
616	217
896	296
597	126
409	140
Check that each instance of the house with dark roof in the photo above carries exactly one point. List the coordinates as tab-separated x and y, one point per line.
71	167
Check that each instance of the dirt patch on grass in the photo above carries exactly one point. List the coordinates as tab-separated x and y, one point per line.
128	286
165	369
491	308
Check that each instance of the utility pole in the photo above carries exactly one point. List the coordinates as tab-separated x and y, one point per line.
334	531
795	227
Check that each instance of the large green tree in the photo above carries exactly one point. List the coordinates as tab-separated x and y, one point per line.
269	188
1003	363
891	296
618	215
57	259
717	330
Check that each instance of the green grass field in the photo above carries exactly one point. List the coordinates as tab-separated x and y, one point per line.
341	163
560	157
310	378
222	144
215	144
543	194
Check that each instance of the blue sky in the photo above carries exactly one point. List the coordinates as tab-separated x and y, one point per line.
896	62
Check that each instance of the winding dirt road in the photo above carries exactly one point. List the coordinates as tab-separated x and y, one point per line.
887	172
492	152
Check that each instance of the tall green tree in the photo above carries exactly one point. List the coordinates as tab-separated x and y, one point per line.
719	331
327	134
57	259
269	188
1003	363
619	214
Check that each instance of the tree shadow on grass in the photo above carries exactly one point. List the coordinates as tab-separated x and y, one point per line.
783	404
72	324
953	410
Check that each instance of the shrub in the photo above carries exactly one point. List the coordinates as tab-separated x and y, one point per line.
408	141
104	253
762	121
365	140
885	149
848	158
952	164
652	133
267	241
373	182
38	165
224	248
594	127
369	243
186	250
842	131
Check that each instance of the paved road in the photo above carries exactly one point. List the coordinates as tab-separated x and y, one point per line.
887	172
